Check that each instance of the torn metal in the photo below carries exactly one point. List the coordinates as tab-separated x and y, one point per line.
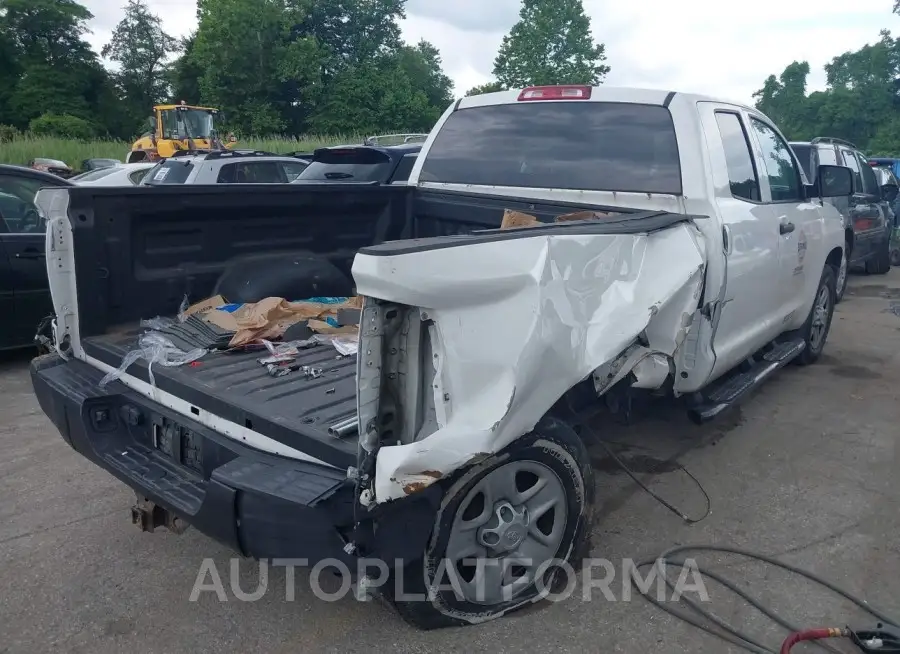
510	326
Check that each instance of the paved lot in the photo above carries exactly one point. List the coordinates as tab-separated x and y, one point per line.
807	470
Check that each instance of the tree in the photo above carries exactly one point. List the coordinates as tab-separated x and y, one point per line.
422	65
551	44
185	73
783	99
239	46
55	69
488	87
141	48
860	102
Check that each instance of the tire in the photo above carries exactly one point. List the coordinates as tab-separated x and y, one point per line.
843	275
552	454
815	330
880	264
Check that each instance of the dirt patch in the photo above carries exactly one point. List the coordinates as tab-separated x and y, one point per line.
854	372
875	290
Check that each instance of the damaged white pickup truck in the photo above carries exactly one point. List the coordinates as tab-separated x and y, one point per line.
700	261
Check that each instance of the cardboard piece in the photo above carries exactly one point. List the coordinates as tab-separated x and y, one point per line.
514	219
205	305
271	317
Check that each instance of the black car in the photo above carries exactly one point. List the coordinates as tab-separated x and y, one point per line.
24	290
361	163
868	218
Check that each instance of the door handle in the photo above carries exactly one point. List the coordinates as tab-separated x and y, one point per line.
30	254
785	228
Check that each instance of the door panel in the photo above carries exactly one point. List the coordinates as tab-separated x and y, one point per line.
865	215
7	300
28	274
750	238
23	244
794	220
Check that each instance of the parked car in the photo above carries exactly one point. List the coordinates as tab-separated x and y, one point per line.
243	167
52	166
130	174
24	291
867	214
361	163
95	164
481	350
886	162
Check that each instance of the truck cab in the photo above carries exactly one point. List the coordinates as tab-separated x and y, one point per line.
554	246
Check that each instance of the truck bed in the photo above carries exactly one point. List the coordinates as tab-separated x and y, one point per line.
232	385
140	251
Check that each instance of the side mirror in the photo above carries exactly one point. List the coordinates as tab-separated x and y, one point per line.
834	181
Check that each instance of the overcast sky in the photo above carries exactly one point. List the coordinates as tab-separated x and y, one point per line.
703	46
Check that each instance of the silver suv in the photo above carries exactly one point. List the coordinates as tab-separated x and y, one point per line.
868	218
233	167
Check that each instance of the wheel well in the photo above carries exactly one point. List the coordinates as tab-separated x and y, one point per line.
834	258
848	239
134	157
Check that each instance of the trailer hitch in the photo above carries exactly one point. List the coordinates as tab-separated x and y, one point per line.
148	516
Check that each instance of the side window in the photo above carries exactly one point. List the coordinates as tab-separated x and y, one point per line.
827	156
137	176
741	171
227	174
404	168
784	178
870	183
17	208
257	172
851	163
292	170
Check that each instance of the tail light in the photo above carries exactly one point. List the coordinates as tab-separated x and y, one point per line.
555	93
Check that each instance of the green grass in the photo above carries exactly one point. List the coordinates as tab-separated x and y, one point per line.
22	149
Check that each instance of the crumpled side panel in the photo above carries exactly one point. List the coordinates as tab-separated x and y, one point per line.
520	321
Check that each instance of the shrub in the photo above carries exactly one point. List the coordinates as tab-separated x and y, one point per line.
62	125
8	134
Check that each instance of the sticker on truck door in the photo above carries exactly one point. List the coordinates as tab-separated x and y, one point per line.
801	252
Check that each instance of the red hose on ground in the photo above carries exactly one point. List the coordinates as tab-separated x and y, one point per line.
812	634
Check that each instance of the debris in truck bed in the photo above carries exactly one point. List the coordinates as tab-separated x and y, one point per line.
154	347
270	318
516	219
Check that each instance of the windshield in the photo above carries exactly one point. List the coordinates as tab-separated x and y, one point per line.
595	146
347	165
187	123
169	172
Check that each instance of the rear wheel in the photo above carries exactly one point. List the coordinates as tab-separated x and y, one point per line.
880	264
503	530
815	331
842	276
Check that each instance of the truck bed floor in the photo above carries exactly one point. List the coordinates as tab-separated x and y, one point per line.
293	409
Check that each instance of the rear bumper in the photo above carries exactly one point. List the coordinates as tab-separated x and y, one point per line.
262	506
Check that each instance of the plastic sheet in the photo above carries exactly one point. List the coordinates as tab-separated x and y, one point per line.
155	349
345	344
158	324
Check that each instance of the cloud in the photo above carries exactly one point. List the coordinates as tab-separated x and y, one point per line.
706	46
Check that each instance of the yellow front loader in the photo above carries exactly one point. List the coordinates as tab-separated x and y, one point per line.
178	128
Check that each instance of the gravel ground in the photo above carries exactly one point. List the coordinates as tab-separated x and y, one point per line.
804	470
